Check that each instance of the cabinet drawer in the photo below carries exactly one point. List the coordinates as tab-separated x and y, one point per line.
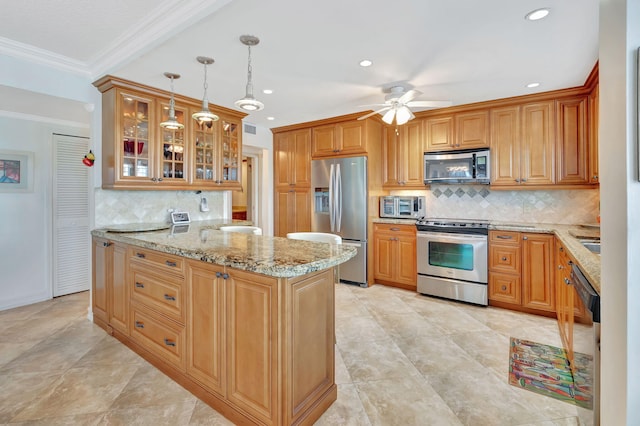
395	229
162	337
155	259
162	293
504	237
504	288
504	259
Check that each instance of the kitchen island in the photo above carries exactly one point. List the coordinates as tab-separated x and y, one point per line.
244	322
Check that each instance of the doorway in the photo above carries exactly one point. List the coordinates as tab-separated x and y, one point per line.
242	201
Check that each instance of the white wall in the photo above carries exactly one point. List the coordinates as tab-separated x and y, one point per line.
25	218
620	204
261	144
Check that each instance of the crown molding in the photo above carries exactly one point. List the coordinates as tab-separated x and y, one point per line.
156	27
43	57
43	119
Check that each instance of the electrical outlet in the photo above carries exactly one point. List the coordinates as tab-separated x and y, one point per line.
204	205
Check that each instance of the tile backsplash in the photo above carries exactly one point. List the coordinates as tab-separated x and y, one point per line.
481	202
117	207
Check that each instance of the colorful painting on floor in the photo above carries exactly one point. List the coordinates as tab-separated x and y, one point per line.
544	369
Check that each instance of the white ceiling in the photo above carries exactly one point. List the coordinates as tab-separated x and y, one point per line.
458	50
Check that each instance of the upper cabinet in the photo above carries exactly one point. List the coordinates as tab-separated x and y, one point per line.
572	144
457	131
292	158
402	152
139	154
593	135
339	139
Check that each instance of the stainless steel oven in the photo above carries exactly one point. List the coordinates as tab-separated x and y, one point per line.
452	259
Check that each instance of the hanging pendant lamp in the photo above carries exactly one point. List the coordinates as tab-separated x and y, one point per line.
205	116
172	123
249	103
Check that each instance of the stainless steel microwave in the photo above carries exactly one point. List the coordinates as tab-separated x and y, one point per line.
402	207
464	166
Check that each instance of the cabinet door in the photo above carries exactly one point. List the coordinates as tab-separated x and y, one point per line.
384	256
135	130
292	211
230	162
323	141
571	144
102	278
206	142
505	259
505	146
594	108
407	272
538	141
391	158
206	346
505	288
472	130
410	163
283	149
351	137
439	134
538	272
119	297
252	343
173	151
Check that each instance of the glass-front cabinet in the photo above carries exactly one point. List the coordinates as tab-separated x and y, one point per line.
139	154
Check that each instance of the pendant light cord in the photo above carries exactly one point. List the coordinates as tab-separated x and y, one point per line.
249	84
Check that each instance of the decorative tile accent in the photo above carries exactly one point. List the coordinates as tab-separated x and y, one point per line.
460	192
484	192
437	192
448	192
472	192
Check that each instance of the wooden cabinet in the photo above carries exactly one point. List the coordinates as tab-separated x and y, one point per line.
402	156
594	108
343	139
462	130
139	154
564	298
395	255
102	278
521	274
292	159
110	290
572	150
522	145
292	211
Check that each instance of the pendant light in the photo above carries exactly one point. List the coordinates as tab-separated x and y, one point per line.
249	103
205	116
172	123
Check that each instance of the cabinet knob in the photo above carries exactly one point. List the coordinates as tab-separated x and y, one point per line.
518	180
523	180
159	179
503	288
504	258
560	267
561	249
225	276
139	324
106	244
525	238
595	177
218	274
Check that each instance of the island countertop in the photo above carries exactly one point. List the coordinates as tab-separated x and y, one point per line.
271	256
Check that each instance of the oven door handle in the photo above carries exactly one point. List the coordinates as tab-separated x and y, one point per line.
444	237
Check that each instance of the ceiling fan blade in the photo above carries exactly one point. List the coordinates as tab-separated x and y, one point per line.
374	113
429	104
408	96
389	115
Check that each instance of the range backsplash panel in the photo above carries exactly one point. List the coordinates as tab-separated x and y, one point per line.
118	207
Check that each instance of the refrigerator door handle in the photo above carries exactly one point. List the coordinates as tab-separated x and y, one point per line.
338	199
331	195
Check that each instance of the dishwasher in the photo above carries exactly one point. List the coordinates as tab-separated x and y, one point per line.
591	300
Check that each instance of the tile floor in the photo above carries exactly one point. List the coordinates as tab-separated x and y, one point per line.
401	359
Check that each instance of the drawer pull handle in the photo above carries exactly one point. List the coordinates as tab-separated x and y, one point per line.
139	324
170	263
139	285
504	258
106	244
169	342
167	297
503	288
395	229
140	255
505	237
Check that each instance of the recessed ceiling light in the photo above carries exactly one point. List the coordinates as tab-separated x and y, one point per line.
365	63
532	85
536	14
271	118
267	91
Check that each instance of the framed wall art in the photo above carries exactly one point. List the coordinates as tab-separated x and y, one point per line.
16	171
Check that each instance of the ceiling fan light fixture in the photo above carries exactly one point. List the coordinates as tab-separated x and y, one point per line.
403	114
204	115
249	103
389	115
172	123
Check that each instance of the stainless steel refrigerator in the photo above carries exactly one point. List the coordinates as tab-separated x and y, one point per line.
340	207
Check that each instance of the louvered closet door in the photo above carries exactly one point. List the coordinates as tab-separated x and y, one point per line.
71	249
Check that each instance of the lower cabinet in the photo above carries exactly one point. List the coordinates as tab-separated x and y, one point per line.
521	271
394	248
259	349
292	211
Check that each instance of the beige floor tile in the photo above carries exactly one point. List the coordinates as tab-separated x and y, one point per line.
10	351
436	354
203	415
18	390
80	391
358	329
346	410
342	374
177	413
405	401
376	360
109	351
407	326
489	348
92	419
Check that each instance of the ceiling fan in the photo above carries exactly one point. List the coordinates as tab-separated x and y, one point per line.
397	103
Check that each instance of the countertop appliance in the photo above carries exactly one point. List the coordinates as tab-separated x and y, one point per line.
464	166
452	259
340	207
402	207
591	300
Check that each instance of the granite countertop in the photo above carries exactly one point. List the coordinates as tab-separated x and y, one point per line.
588	262
272	256
394	221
